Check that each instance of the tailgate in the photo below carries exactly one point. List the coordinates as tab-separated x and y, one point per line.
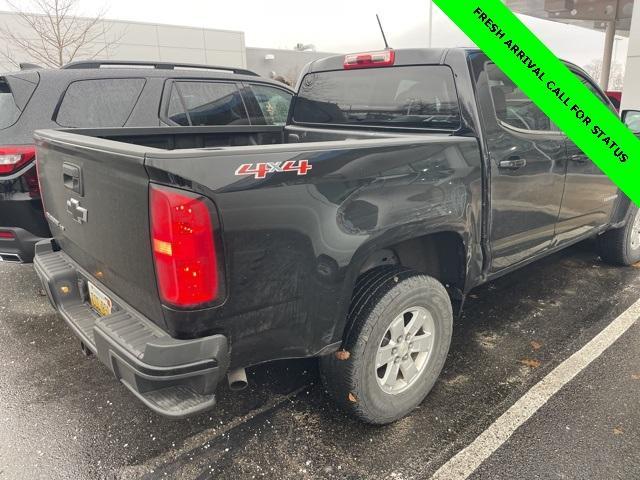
96	196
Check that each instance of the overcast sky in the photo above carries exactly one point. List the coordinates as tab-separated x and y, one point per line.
337	25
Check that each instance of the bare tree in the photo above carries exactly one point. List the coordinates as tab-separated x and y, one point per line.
594	69
51	33
616	76
616	81
305	47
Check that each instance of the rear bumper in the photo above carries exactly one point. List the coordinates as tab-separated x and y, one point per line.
20	248
175	378
21	212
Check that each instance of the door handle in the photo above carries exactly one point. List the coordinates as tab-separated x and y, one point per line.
512	163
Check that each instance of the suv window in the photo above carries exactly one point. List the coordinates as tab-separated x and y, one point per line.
512	106
9	111
175	111
409	97
206	103
99	103
15	93
273	102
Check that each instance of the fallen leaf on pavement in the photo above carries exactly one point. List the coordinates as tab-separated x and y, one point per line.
635	376
618	431
342	355
530	362
536	345
636	265
352	398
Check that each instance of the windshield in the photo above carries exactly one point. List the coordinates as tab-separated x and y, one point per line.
409	97
9	111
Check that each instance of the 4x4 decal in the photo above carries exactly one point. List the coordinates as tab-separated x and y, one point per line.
260	170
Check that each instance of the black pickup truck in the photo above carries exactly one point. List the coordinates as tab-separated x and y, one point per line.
402	180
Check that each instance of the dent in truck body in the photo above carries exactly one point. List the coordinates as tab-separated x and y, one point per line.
297	244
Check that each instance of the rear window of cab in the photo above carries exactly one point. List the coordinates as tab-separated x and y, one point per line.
413	97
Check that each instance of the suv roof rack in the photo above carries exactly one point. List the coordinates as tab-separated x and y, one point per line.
29	66
157	65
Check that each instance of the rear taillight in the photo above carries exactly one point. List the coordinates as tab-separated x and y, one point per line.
12	158
5	234
182	239
384	58
33	185
39	180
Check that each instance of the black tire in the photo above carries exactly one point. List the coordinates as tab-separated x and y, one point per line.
622	245
380	296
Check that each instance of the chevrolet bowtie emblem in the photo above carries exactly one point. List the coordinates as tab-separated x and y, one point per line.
78	213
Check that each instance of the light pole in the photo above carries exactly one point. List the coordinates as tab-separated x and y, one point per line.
609	36
430	23
615	48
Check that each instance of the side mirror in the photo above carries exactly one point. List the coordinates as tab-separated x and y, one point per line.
631	119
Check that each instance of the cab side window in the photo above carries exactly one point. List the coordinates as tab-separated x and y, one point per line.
593	89
512	106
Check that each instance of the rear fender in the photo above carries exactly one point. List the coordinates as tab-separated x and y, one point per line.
386	241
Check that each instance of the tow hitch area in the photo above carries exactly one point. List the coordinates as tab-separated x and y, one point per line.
175	378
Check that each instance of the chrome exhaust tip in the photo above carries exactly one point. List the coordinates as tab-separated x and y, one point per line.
10	257
237	379
85	350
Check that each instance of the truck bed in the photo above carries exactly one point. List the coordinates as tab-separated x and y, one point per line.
291	240
183	138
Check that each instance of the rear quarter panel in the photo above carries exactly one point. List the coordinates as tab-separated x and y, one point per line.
295	244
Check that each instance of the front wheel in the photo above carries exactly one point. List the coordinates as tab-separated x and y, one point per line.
622	245
401	324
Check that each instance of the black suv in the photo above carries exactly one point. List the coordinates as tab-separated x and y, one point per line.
97	94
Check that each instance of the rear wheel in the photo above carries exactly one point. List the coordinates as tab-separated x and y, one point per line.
401	324
622	245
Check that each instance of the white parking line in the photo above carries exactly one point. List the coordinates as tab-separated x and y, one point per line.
463	464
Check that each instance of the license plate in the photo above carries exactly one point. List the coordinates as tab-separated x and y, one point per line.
99	301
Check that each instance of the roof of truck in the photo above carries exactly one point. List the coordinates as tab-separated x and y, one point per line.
409	56
403	56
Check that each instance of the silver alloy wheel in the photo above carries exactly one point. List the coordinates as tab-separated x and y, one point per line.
404	350
635	232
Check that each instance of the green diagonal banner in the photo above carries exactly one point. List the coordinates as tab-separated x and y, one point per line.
595	129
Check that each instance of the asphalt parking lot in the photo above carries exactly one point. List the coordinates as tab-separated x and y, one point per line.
63	416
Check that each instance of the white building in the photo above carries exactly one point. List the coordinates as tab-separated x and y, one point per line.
272	62
120	40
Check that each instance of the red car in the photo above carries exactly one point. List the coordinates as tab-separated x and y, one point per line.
616	99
